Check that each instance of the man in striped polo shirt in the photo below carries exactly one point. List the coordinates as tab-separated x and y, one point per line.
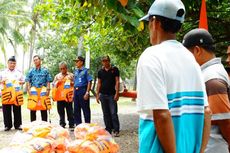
171	97
201	44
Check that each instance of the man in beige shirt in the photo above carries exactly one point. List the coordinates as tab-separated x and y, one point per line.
63	104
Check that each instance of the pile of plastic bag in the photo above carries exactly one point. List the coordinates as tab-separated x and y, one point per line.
43	137
91	138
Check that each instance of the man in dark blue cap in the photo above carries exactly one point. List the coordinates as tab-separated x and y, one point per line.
9	75
82	86
201	45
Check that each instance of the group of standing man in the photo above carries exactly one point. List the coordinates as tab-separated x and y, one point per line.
182	88
80	80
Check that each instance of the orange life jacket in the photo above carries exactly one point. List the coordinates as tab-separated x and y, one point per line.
19	94
12	93
63	92
8	93
37	100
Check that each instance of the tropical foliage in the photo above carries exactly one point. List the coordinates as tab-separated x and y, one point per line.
63	29
13	20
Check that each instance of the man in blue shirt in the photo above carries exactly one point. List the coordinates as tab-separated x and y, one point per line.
38	77
82	86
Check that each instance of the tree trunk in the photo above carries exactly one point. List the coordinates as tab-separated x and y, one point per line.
80	46
4	54
23	61
15	49
33	38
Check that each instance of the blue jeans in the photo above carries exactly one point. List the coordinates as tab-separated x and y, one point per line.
80	103
109	109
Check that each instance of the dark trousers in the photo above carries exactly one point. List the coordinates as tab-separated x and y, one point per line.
43	114
80	103
61	106
7	115
109	109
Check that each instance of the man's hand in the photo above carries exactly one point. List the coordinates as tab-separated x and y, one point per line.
28	92
3	81
206	128
58	83
48	92
165	130
116	97
21	82
86	96
97	98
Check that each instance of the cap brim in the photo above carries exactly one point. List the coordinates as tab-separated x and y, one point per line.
145	18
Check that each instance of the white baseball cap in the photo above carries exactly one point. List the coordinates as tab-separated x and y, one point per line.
172	9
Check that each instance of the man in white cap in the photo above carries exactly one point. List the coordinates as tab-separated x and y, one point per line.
171	96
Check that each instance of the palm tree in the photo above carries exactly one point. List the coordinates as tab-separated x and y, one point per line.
12	18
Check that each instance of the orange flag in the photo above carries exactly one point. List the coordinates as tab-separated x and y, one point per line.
203	16
123	2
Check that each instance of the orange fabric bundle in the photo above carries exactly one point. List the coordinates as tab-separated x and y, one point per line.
63	91
18	94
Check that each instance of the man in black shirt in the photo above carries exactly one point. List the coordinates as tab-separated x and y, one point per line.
108	94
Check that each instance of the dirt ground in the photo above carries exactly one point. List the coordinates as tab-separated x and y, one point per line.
128	140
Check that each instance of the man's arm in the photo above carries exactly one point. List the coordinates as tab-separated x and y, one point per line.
224	126
206	129
28	81
48	79
22	79
98	89
55	80
86	96
48	89
72	79
165	130
117	85
28	86
88	87
217	91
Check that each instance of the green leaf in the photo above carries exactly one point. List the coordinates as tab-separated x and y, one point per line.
138	12
132	20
